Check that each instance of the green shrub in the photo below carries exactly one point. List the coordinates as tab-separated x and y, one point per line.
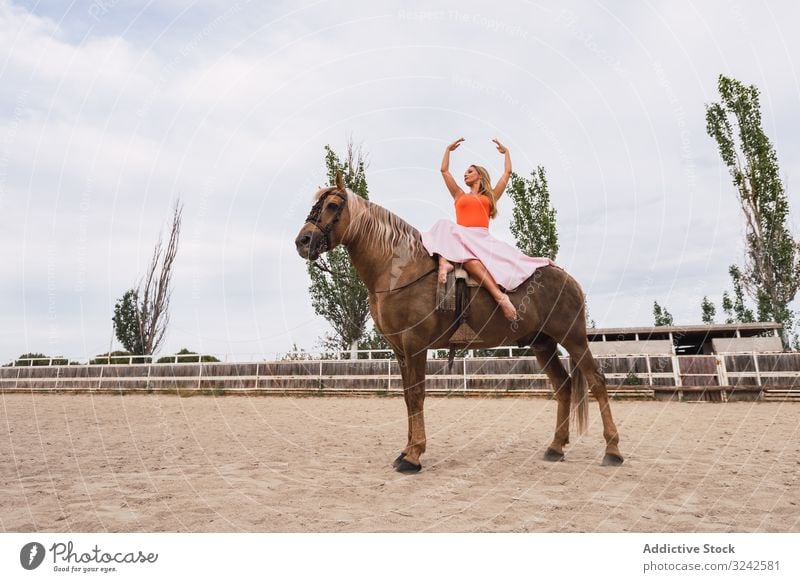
186	356
37	359
632	379
119	357
296	353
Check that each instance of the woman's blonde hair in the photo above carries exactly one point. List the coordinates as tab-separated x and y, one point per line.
486	189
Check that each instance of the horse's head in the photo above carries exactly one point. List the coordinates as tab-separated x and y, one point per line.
326	223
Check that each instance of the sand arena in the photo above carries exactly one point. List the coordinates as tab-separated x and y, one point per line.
145	463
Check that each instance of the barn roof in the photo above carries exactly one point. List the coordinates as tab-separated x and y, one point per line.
663	331
689	339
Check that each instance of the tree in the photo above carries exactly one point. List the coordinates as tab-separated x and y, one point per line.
141	315
337	293
126	322
590	323
708	309
661	315
533	219
735	309
771	272
373	341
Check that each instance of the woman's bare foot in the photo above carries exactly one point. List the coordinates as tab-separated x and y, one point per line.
444	268
508	309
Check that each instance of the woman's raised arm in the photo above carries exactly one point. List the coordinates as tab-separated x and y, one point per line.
500	187
449	181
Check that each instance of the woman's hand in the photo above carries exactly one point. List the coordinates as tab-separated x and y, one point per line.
455	144
500	187
452	187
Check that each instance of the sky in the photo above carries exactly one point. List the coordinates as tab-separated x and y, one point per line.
111	111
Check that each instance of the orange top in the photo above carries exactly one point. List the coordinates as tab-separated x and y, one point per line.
473	210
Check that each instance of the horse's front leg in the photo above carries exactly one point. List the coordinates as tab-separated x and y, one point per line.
414	392
402	364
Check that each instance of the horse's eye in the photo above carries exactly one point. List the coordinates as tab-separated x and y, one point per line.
333	206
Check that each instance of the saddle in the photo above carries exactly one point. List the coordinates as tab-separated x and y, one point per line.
454	297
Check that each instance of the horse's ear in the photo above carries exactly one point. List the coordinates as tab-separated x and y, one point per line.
340	180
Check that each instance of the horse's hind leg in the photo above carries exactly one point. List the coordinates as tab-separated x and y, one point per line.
546	352
583	359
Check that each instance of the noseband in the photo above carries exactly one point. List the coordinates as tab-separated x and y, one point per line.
316	213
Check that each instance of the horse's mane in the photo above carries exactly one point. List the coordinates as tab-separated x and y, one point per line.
385	231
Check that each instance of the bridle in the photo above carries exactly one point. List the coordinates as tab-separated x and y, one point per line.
314	219
316	213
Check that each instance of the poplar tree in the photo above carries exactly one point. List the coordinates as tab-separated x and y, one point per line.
141	315
735	308
337	293
709	311
660	315
770	275
533	219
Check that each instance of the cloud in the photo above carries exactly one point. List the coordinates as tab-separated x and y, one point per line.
107	117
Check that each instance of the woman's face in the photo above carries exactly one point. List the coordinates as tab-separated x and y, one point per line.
471	176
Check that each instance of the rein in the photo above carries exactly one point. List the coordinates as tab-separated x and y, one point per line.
417	280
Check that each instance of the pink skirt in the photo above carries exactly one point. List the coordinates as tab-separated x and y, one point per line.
509	266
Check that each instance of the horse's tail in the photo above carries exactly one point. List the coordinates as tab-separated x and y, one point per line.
579	399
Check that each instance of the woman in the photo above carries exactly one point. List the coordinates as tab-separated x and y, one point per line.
490	261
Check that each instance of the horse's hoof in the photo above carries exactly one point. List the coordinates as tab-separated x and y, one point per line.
612	460
398	460
553	455
407	467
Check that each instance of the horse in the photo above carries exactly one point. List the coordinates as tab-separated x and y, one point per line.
399	274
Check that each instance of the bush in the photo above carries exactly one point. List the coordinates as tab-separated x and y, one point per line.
119	357
445	354
186	356
632	379
296	353
36	359
373	341
501	353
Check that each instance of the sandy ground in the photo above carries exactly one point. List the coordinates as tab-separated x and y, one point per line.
270	464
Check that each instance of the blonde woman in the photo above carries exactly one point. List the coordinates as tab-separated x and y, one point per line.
492	262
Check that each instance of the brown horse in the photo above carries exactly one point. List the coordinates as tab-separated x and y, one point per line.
389	257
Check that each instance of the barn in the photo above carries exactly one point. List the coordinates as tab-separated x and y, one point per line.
684	340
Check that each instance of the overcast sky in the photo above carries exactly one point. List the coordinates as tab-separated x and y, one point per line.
110	111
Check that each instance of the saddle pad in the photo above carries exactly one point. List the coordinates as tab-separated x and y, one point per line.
461	273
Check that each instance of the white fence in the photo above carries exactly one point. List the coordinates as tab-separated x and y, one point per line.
512	365
302	355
